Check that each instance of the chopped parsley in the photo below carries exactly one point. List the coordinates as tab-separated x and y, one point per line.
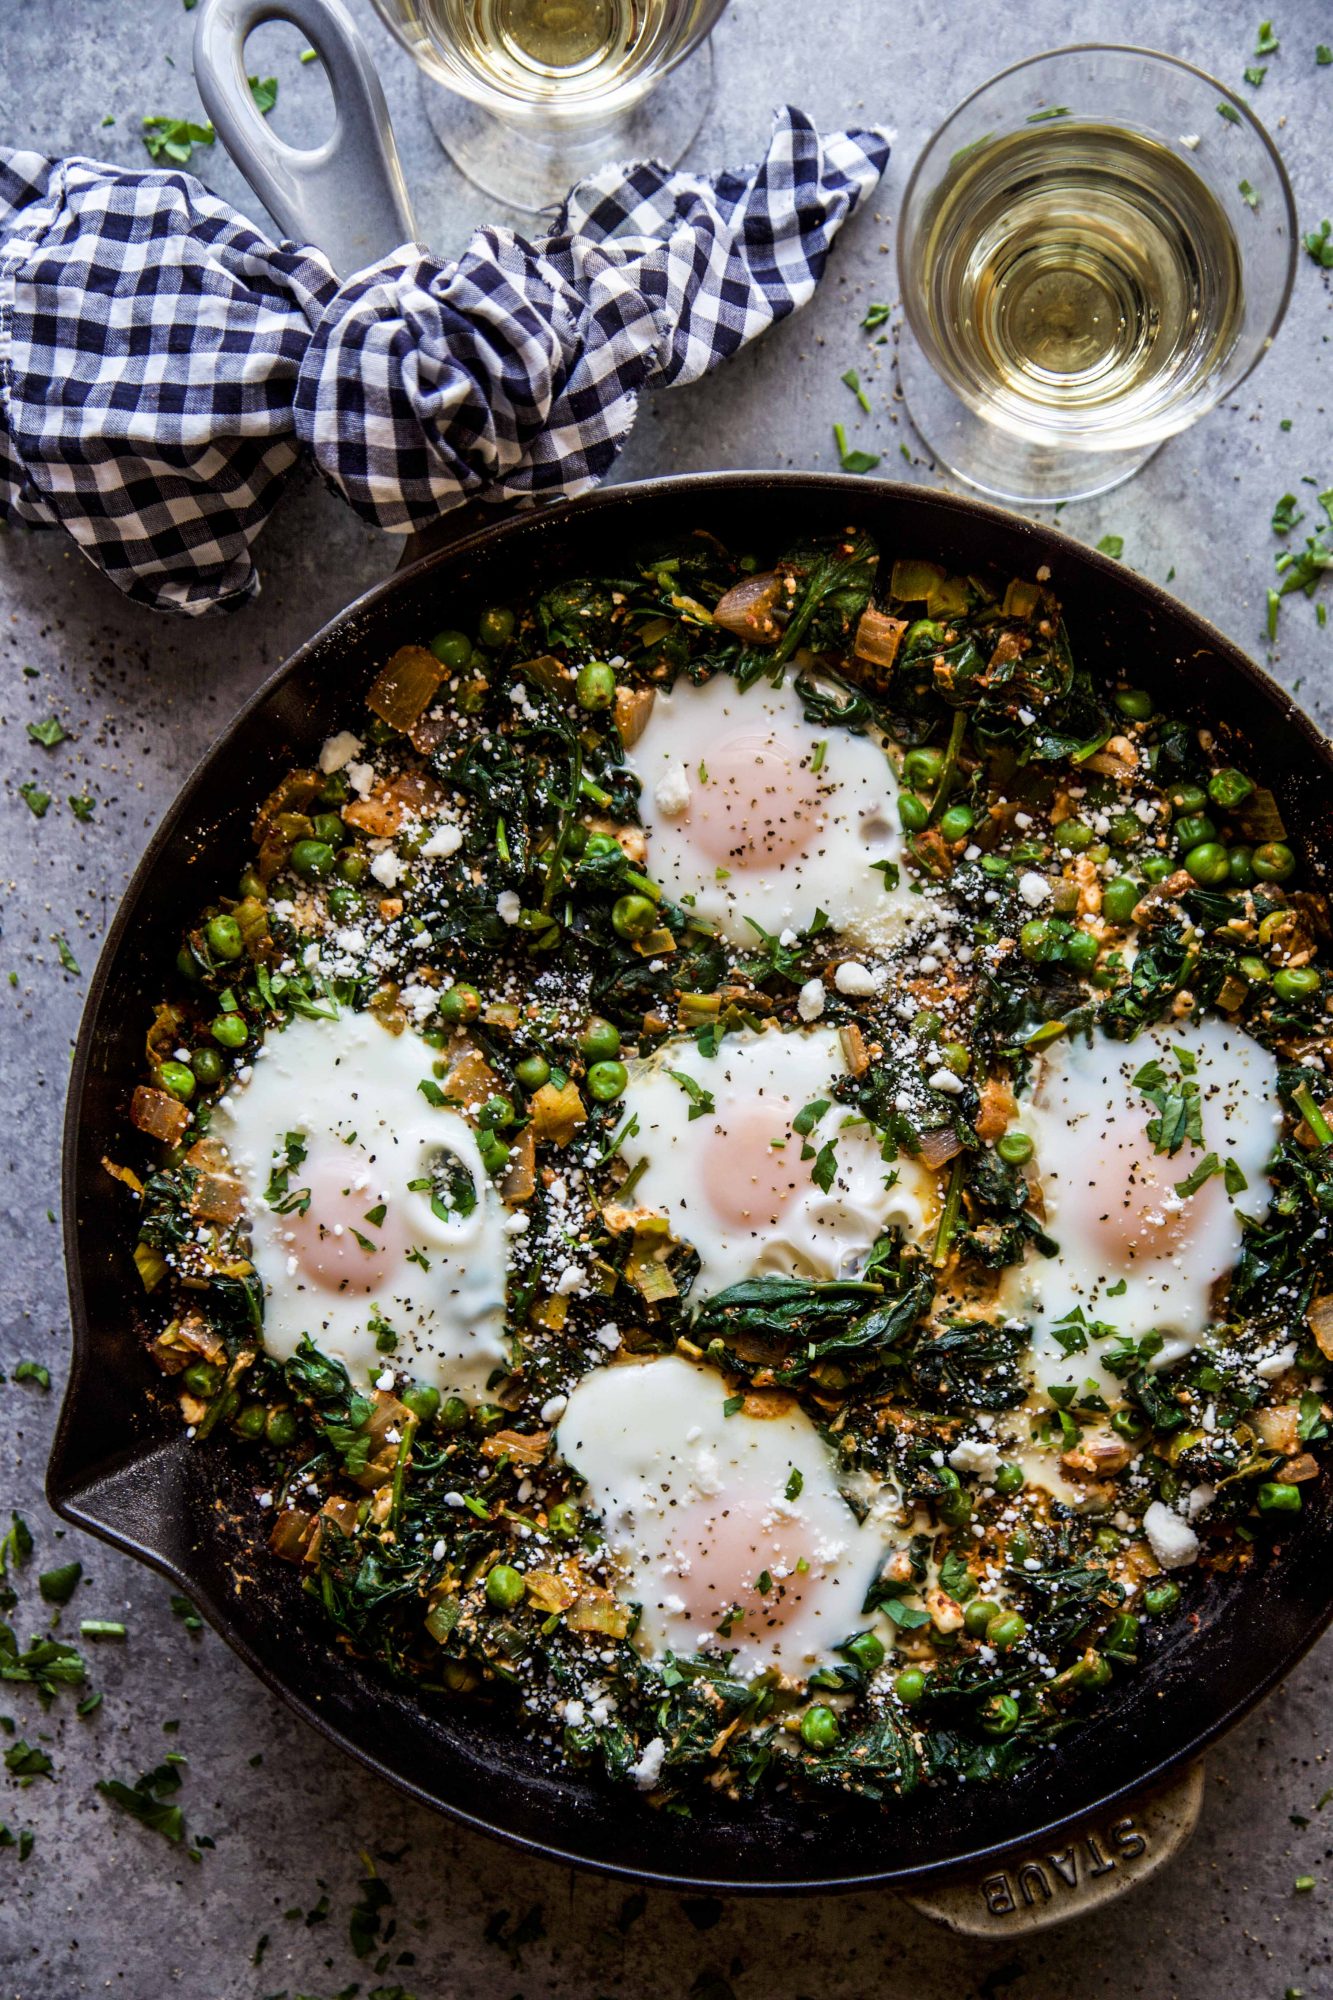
849	460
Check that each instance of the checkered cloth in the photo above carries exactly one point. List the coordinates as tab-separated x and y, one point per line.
163	365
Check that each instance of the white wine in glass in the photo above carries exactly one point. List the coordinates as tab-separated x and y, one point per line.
539	92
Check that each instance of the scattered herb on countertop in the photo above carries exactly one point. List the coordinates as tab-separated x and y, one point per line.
35	799
175	138
853	382
849	460
47	733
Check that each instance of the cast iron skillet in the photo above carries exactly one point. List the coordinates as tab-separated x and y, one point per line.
122	1467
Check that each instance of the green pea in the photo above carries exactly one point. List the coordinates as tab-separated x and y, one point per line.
922	768
1009	1479
607	1081
913	812
1240	867
999	1715
459	1005
1126	1425
533	1072
909	1686
595	686
1020	1546
1006	1631
494	1153
866	1649
957	822
1120	899
1193	830
1276	1496
313	860
600	845
280	1429
1254	970
956	1057
1092	1672
953	1505
452	649
1209	863
1187	798
353	866
1081	950
1136	703
1015	1148
422	1400
329	828
251	886
1273	862
453	1414
178	1078
977	1616
819	1728
1156	868
1037	941
223	936
1294	982
230	1030
207	1066
249	1421
505	1587
1161	1597
345	902
202	1378
992	864
1229	788
633	916
1124	830
1074	836
1122	1634
600	1040
495	627
185	964
562	1520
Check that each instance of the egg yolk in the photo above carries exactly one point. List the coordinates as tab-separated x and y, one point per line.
724	1548
748	1177
759	804
1127	1207
334	1242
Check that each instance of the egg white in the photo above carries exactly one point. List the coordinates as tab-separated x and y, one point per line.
731	1180
695	1509
748	818
1134	1253
348	1090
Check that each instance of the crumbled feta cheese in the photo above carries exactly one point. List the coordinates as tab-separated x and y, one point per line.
386	868
446	840
856	979
979	1455
507	906
810	1000
385	1380
337	751
1034	889
649	1767
1277	1364
671	794
609	1337
1172	1541
570	1280
1200	1500
945	1080
361	777
554	1408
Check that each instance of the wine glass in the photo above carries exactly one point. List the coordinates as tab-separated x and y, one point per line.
1095	248
538	93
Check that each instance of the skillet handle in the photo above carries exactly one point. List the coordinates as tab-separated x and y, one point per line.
346	196
1102	1861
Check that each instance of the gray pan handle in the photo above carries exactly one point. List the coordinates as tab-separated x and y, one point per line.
348	196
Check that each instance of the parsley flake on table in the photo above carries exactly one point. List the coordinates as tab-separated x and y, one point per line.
1229	112
1319	244
264	90
1323	54
51	732
35	799
33	1371
853	382
1111	545
59	1585
1266	42
151	1799
67	958
25	1762
23	1840
1255	76
1248	194
853	461
81	805
175	138
877	315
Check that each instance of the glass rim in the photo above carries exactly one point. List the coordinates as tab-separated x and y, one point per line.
1156	56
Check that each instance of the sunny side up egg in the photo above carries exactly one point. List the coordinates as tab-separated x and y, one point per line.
721	1161
728	1531
375	1230
752	811
1136	1253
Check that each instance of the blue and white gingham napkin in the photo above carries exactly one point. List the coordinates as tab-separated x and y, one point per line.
163	365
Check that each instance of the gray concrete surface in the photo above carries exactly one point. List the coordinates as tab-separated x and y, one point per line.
102	1905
